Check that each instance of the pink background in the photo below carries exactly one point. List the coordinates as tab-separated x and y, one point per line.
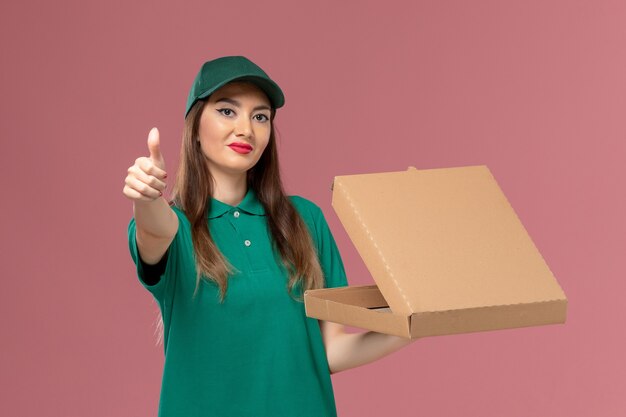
535	90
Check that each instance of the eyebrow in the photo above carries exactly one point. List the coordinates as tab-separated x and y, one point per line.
237	104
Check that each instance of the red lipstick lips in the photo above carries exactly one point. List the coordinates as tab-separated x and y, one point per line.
240	147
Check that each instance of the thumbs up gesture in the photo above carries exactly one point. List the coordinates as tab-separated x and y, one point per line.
146	178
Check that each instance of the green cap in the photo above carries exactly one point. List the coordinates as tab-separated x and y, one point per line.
220	71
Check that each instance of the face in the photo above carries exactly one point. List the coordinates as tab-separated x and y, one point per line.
235	128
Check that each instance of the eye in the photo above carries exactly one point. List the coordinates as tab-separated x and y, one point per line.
263	117
226	112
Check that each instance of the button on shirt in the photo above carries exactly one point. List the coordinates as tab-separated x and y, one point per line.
257	354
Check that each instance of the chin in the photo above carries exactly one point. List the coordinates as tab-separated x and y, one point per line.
233	165
238	168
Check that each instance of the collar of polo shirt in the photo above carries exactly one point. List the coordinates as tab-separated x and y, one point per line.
250	204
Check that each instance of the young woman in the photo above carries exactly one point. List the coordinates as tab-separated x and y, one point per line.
229	258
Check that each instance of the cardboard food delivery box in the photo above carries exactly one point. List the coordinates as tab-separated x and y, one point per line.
447	252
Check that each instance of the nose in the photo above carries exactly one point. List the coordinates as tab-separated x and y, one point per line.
243	127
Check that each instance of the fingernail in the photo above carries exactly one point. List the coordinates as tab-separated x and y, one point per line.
165	176
160	193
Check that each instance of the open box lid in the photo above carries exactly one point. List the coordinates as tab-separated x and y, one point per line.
442	239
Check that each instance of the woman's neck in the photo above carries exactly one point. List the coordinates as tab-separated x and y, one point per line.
228	189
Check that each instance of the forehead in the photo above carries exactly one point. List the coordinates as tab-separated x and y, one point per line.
240	89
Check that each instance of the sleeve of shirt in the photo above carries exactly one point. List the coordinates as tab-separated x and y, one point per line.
330	258
156	278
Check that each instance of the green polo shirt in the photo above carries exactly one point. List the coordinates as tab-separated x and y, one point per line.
257	354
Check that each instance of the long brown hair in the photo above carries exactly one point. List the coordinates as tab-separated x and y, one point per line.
192	193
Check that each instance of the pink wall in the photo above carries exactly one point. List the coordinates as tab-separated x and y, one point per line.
536	90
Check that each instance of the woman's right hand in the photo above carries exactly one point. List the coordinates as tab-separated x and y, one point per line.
146	178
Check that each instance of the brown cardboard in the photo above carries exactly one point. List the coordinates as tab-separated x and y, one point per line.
447	252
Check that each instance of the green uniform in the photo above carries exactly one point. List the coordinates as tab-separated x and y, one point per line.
257	354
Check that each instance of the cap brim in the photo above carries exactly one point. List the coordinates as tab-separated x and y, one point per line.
269	87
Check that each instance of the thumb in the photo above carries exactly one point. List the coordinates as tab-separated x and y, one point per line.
155	149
